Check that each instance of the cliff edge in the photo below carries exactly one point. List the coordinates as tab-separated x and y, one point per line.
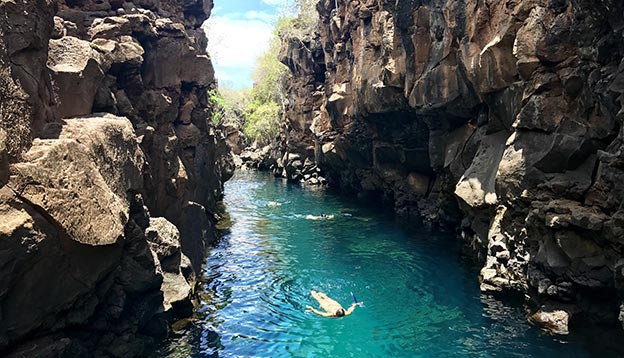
110	171
502	119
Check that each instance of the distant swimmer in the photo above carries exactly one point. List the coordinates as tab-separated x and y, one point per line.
274	203
320	217
331	307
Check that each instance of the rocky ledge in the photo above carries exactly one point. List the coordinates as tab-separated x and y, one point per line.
501	119
290	166
110	171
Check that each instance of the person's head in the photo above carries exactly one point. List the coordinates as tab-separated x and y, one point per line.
340	312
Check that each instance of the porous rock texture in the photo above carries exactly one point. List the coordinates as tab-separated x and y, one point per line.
500	118
110	171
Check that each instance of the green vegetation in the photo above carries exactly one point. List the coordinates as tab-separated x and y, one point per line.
219	107
228	106
264	110
303	23
258	111
262	121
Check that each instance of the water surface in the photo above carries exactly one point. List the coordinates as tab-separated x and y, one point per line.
421	299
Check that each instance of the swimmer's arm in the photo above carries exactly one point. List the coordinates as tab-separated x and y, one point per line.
312	309
351	309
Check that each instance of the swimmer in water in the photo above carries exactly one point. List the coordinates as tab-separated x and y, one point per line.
320	217
331	307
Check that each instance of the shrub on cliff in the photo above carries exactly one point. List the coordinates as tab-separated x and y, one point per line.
264	110
228	106
262	121
267	98
303	24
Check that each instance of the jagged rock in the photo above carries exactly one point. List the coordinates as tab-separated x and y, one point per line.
82	179
76	71
188	135
555	320
44	271
234	139
139	271
114	27
195	233
46	347
26	92
79	196
175	289
68	200
127	52
164	239
171	62
508	113
477	185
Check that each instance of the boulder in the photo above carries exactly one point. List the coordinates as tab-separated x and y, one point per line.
45	273
127	52
115	27
195	233
77	73
176	290
477	185
527	38
553	319
172	62
83	178
197	69
164	240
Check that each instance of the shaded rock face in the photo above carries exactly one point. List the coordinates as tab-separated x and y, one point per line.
501	119
293	154
107	187
25	86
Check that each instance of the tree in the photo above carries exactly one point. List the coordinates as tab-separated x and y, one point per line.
266	101
228	106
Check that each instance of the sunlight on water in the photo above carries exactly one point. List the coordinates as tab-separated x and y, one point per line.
420	298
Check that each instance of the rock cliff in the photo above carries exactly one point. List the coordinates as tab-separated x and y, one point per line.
110	170
500	118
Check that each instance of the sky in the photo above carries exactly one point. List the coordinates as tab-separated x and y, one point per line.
238	32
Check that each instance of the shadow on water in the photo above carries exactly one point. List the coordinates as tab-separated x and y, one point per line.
420	290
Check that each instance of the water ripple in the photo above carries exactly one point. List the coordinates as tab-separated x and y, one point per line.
419	300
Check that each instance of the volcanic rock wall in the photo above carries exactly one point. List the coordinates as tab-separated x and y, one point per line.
502	118
110	170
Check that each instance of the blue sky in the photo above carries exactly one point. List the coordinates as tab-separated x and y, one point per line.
238	32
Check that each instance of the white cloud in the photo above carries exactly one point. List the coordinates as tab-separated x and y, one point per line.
235	41
278	3
260	15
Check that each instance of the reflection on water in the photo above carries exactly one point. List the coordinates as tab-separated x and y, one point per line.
421	299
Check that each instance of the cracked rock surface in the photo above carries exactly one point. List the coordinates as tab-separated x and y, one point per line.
107	186
499	119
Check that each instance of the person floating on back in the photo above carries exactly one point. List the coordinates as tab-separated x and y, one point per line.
323	216
331	307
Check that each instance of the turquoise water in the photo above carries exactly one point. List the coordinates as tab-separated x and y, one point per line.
421	298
